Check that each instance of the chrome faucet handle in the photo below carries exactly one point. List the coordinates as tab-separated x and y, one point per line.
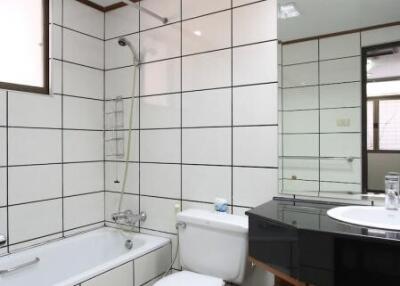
3	239
129	217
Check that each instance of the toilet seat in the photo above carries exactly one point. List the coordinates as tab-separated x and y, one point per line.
187	278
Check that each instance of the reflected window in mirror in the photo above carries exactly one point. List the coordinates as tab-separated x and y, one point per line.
382	116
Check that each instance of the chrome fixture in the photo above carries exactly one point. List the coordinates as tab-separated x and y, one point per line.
18	267
123	42
392	185
3	239
128	217
129	244
147	11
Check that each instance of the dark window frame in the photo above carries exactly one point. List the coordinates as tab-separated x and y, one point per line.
365	53
45	89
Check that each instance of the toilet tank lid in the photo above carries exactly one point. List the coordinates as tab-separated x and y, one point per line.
214	219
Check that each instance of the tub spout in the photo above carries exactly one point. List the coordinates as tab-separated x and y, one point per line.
128	217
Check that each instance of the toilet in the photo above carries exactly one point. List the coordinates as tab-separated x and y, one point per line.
212	249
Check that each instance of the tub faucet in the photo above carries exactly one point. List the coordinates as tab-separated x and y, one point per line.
128	217
3	239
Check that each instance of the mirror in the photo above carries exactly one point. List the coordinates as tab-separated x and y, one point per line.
339	96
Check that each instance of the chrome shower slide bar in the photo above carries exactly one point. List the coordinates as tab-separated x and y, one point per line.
147	11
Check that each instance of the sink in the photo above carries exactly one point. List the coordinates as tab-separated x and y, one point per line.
376	217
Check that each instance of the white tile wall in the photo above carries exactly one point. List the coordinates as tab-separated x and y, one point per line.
206	108
130	202
300	98
160	111
194	8
160	213
121	22
171	9
35	204
206	33
301	52
114	172
255	23
121	276
300	75
340	46
340	95
209	70
117	56
160	146
341	70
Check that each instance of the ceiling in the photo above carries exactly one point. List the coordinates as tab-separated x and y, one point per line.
322	17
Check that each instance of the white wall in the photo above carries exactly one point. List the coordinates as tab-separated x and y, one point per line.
207	107
51	146
379	164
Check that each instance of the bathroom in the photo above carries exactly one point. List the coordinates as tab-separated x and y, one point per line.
143	142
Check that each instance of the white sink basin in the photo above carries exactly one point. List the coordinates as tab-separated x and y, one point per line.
376	217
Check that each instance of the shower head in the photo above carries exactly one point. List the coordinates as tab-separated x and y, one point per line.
123	42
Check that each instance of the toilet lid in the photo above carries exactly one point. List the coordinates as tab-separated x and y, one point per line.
187	278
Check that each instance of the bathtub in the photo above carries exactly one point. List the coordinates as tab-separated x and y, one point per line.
76	259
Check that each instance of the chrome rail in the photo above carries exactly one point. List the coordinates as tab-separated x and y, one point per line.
18	267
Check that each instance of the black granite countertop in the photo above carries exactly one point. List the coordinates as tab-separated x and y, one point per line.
312	216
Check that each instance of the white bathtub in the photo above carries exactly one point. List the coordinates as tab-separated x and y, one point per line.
76	259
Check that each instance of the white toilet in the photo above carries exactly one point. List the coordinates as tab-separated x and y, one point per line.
212	248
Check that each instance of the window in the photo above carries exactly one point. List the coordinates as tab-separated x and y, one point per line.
383	124
24	45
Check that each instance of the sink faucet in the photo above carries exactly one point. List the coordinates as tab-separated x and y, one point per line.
128	217
3	239
392	184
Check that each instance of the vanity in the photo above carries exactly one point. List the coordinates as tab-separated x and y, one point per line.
298	239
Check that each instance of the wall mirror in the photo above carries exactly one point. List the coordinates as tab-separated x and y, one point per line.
339	96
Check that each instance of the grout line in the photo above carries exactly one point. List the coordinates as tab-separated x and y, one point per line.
232	109
7	177
62	123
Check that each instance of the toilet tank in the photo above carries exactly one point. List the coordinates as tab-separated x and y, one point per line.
214	244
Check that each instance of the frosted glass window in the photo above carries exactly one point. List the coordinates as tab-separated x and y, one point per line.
389	125
24	44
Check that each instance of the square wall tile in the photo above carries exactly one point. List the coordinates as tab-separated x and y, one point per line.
33	146
82	81
83	178
3	222
340	145
302	52
82	49
160	43
3	108
160	77
340	171
34	220
83	145
3	187
160	213
194	8
112	147
26	109
301	145
255	23
121	276
300	98
117	56
300	75
3	146
300	121
121	21
82	113
206	33
129	202
205	183
341	120
115	175
170	9
55	11
160	146
160	111
83	210
340	95
206	108
380	36
209	70
341	70
340	46
254	186
300	169
55	37
186	205
255	105
119	82
34	183
167	184
255	146
111	121
55	76
83	18
207	146
255	64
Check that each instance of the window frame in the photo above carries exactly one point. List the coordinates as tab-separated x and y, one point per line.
376	135
45	89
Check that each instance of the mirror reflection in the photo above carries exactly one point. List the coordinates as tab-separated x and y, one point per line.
339	96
